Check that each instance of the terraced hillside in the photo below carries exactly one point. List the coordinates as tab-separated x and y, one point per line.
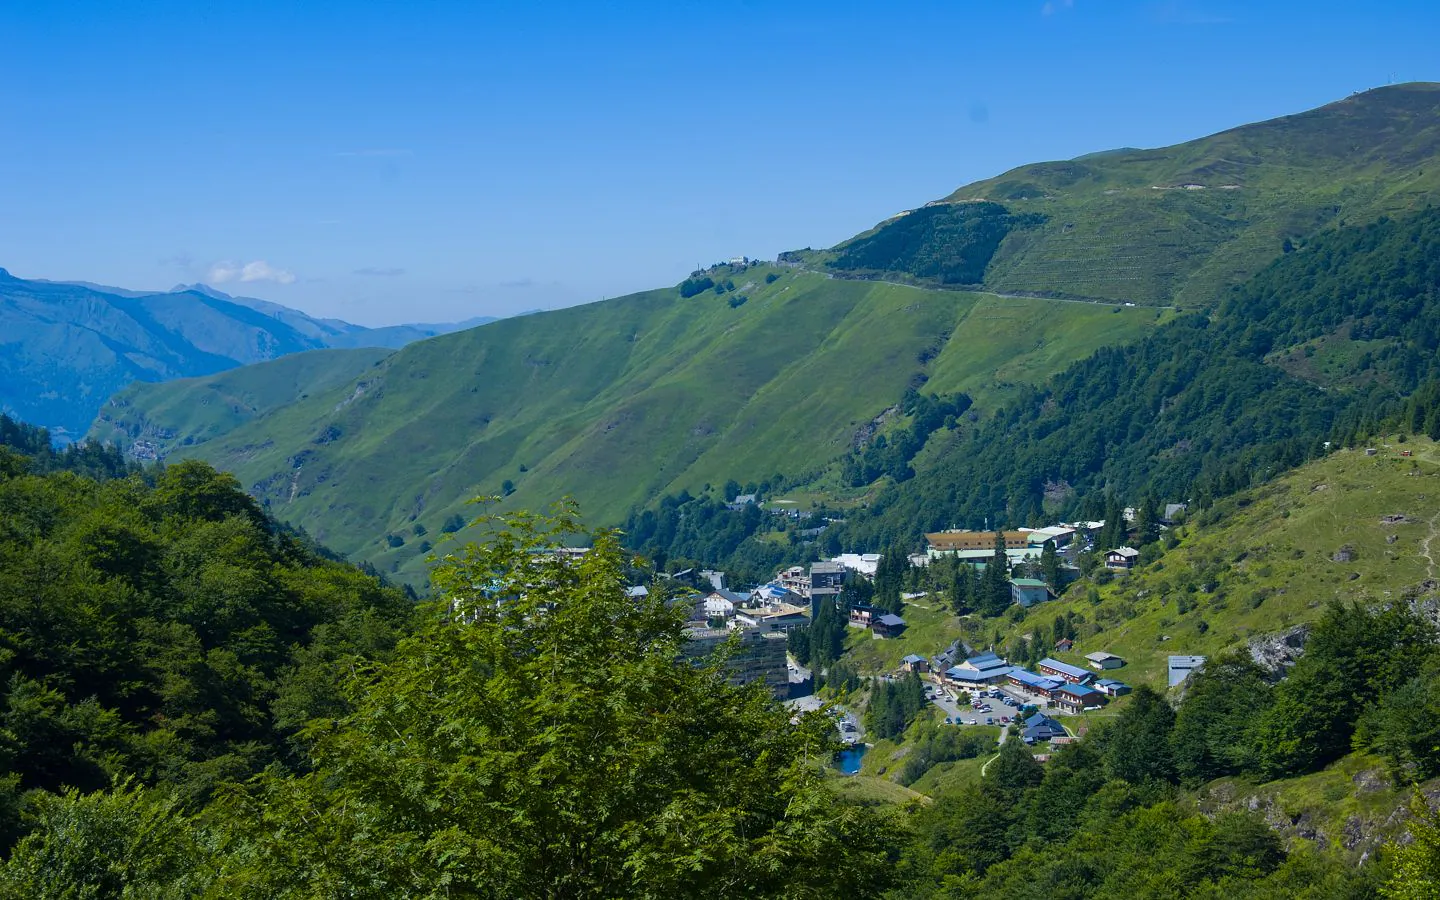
1174	225
615	403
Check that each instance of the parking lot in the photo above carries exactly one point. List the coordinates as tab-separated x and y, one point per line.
957	705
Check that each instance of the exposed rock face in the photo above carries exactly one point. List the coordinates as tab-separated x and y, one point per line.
1276	653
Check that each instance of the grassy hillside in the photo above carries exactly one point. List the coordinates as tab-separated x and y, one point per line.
1174	225
198	409
1347	527
618	402
1269	559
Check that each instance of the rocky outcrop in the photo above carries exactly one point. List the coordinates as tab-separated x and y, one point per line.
1276	653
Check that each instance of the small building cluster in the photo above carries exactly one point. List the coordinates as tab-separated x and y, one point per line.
1068	687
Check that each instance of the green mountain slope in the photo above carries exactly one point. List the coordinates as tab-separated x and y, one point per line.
198	409
1346	527
1175	225
1327	334
619	402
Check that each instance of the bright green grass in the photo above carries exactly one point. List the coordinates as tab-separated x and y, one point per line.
199	409
930	628
1122	227
1268	553
617	403
868	790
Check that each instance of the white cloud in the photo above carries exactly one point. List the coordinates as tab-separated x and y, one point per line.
1051	7
258	270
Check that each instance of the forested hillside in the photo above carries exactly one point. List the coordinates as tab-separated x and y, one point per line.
1326	336
197	705
161	628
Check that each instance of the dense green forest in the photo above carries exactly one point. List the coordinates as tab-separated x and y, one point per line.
162	628
951	243
199	704
196	706
1207	404
37	446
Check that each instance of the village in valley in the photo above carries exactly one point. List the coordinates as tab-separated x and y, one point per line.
791	632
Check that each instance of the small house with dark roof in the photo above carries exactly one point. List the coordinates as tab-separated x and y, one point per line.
915	663
888	625
1074	698
1122	558
1072	674
1029	591
1102	660
1064	645
1040	727
1112	688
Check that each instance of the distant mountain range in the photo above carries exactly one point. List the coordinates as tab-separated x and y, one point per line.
65	347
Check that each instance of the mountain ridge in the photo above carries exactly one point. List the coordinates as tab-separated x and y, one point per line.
746	372
68	346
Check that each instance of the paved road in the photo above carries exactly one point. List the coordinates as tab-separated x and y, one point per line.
969	289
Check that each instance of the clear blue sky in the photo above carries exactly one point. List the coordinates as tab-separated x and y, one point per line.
387	162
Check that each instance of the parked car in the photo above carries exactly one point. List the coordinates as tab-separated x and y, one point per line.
989	721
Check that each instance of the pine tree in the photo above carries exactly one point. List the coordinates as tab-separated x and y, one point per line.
1050	566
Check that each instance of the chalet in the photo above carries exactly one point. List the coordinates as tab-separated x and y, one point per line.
946	658
1058	669
638	592
915	663
1040	685
1112	688
722	604
1102	660
977	672
1040	727
1180	667
771	618
1076	697
1029	591
1064	645
888	625
1121	558
863	616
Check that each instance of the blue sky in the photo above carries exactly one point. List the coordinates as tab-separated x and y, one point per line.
432	161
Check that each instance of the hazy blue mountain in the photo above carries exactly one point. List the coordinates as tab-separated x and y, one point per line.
65	347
